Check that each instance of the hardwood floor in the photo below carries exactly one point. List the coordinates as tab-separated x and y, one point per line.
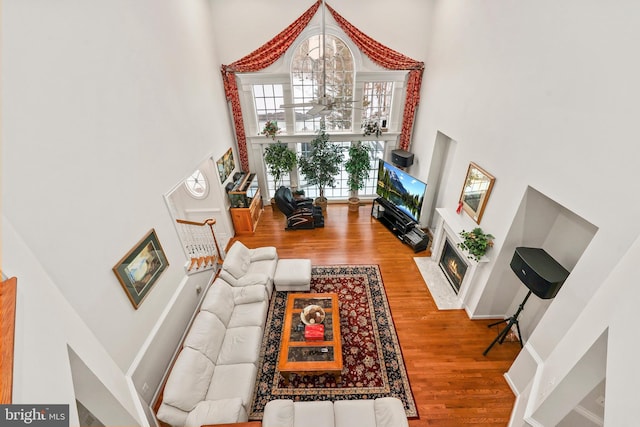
452	382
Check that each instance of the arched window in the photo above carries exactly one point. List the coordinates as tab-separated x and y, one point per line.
323	81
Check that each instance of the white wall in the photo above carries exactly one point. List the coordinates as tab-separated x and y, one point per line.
240	33
46	327
106	106
542	94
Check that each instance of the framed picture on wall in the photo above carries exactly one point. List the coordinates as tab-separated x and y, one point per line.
141	267
225	165
475	192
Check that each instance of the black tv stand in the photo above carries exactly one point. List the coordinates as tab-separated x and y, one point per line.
400	224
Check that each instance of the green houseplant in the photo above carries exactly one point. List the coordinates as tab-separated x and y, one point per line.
371	127
270	129
357	166
322	164
476	242
280	159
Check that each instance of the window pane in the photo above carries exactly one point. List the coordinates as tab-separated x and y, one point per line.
376	102
268	104
310	72
341	190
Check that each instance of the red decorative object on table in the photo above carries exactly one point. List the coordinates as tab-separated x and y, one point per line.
314	332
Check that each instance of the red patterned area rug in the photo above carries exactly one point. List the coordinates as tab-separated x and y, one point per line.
373	364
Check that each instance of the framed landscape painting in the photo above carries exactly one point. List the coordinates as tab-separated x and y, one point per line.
141	267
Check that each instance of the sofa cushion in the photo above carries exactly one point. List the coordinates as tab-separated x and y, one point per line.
171	415
206	335
233	381
254	314
241	345
238	260
390	412
263	253
278	413
189	380
350	413
249	294
250	279
217	412
320	412
266	267
219	300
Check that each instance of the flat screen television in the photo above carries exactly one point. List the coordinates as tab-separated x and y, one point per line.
401	189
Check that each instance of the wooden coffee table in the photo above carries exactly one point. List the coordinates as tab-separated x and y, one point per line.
301	356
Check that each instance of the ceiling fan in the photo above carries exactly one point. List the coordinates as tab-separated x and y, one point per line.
325	104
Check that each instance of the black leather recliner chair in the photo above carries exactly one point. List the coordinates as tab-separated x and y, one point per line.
301	214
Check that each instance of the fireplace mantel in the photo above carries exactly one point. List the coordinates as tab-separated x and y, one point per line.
448	227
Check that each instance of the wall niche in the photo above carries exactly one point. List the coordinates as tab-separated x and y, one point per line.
540	222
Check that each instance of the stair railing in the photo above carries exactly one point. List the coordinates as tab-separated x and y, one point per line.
200	244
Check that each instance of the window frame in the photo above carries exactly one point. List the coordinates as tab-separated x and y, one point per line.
279	73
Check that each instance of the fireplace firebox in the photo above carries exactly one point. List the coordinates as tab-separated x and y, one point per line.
452	265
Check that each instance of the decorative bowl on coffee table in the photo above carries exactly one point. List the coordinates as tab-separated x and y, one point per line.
312	314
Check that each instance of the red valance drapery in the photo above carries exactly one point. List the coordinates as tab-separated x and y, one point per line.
268	53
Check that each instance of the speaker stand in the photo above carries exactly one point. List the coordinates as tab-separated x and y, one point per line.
510	321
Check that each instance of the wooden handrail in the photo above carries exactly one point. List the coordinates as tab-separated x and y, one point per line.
8	290
210	221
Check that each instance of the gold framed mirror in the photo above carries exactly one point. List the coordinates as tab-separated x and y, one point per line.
475	191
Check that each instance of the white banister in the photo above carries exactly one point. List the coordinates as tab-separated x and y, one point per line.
200	244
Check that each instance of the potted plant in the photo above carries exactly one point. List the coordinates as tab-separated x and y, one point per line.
322	164
476	242
357	167
371	127
280	159
270	129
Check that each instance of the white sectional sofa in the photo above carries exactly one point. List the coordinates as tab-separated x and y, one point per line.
381	412
243	266
214	374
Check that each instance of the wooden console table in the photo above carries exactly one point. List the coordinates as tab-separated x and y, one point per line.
245	220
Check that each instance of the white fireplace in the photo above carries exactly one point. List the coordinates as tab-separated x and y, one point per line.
448	228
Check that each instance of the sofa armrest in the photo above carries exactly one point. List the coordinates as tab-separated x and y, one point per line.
390	412
264	253
171	415
223	411
278	413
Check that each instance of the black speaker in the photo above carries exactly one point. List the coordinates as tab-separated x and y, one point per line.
401	158
542	274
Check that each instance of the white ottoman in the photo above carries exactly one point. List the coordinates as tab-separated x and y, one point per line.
293	275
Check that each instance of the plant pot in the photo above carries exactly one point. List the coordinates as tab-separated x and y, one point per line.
354	204
322	202
274	206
